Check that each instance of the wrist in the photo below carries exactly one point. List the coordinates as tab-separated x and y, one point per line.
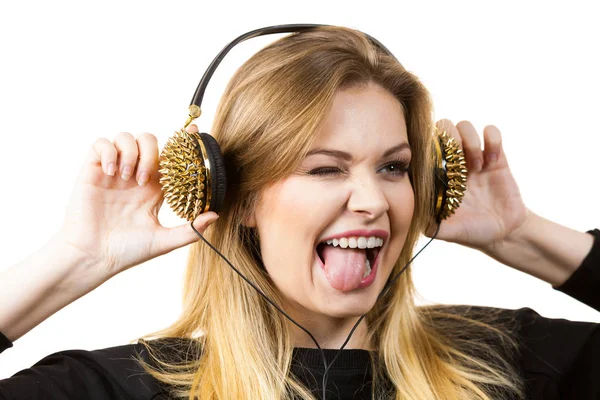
519	237
80	272
43	283
526	233
544	249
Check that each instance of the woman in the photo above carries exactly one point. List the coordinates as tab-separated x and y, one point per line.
327	139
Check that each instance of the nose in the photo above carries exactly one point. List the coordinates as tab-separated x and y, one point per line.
367	198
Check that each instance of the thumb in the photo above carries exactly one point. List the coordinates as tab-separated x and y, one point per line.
169	239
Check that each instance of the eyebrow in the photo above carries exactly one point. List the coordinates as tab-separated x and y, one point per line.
348	157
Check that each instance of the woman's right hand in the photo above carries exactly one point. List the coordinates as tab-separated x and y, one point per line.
112	216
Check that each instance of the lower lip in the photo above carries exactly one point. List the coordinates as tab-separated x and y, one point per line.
368	280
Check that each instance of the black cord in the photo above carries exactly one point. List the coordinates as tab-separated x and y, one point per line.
261	292
327	366
385	289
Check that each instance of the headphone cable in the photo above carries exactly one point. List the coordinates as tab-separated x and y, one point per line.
327	366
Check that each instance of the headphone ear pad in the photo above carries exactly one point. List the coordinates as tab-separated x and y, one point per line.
218	174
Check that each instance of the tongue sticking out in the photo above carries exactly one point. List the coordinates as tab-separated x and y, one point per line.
344	268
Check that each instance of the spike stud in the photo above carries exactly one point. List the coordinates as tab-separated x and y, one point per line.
452	171
183	174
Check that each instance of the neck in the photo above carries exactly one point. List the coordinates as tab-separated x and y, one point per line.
331	333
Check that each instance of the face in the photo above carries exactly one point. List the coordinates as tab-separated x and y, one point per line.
352	191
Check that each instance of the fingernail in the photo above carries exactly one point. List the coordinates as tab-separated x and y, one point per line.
143	178
492	158
206	223
211	220
126	172
111	169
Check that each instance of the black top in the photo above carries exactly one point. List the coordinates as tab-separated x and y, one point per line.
558	359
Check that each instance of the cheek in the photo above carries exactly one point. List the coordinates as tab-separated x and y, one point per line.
290	218
401	214
403	206
298	205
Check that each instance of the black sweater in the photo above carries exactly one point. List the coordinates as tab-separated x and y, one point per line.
558	359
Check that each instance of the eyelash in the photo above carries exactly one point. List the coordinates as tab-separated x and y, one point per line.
402	165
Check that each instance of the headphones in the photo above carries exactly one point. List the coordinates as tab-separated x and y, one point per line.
193	171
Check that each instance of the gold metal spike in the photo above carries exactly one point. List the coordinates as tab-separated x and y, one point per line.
183	174
455	175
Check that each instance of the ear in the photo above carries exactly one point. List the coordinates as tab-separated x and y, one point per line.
249	221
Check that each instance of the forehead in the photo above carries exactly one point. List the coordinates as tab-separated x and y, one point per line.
366	114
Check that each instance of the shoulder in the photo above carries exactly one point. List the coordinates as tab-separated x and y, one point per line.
558	355
556	339
112	371
121	364
554	349
108	373
550	352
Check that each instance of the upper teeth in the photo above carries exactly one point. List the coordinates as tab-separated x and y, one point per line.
360	242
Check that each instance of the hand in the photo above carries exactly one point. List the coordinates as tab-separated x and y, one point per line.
492	208
113	219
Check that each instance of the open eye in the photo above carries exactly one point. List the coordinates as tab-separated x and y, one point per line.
397	167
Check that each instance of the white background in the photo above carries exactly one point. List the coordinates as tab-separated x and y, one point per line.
75	71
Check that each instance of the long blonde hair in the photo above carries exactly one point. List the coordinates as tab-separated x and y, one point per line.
242	346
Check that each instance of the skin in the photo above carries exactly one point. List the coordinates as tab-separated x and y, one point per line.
365	191
364	122
494	219
111	224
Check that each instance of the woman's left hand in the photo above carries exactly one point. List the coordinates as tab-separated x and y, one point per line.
492	207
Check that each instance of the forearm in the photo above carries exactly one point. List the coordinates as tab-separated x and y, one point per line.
544	249
40	285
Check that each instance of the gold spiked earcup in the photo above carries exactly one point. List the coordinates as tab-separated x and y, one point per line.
193	174
450	175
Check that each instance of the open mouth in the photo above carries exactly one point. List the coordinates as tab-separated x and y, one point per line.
350	262
371	253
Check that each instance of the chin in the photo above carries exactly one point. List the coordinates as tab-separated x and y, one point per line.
350	306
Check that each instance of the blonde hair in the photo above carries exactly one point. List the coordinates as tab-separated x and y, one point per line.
242	346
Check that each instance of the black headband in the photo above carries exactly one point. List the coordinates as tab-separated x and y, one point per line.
290	28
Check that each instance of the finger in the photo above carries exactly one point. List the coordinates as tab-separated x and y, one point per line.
147	166
103	153
193	128
471	145
492	139
169	239
448	126
128	154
